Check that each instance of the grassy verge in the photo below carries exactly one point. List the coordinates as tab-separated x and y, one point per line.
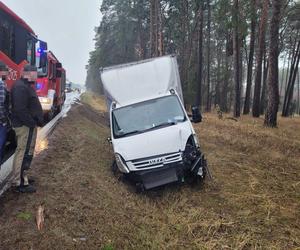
252	203
95	101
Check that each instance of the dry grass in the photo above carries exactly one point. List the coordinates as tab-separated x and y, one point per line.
253	202
256	170
95	101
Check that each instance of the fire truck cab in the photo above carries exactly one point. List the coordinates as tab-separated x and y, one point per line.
18	46
50	86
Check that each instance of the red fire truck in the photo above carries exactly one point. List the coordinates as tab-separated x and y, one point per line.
50	86
18	46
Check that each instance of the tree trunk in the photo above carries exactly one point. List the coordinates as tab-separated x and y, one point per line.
291	84
185	44
298	94
208	103
288	69
273	89
153	24
160	37
156	35
250	59
241	70
263	101
217	90
141	41
200	57
226	80
261	48
282	77
236	59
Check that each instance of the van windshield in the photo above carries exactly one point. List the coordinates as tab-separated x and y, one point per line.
145	116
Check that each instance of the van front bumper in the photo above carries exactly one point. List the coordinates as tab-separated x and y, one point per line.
175	172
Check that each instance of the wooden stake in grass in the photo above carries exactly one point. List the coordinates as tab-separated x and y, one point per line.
40	217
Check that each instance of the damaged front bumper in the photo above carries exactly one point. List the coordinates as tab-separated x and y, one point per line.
175	172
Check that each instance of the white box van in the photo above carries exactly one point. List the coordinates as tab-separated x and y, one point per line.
152	136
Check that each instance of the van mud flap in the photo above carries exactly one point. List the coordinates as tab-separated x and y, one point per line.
152	179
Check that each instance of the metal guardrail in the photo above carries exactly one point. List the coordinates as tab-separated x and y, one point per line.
6	167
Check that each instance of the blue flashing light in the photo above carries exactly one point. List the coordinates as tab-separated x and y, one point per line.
40	50
38	85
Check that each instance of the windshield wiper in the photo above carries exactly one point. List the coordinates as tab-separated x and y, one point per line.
165	124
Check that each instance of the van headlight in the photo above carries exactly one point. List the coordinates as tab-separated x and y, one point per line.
121	164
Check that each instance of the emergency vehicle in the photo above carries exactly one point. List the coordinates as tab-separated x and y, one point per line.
18	46
50	86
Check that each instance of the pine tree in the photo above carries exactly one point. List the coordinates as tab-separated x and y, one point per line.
273	89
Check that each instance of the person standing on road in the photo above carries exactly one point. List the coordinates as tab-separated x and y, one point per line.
27	114
3	109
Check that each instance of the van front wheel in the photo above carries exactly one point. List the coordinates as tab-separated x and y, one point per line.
114	168
116	172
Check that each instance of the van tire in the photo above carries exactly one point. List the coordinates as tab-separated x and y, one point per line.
114	168
116	172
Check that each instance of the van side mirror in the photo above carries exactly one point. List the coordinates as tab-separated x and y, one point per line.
196	114
109	140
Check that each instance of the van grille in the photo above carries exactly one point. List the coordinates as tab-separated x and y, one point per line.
157	161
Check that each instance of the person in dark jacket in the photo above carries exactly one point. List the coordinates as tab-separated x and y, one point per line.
26	116
3	108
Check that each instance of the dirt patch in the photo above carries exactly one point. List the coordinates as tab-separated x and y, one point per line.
253	202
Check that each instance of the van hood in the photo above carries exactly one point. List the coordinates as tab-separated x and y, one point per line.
152	143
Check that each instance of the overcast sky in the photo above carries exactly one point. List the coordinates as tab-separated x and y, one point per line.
67	26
